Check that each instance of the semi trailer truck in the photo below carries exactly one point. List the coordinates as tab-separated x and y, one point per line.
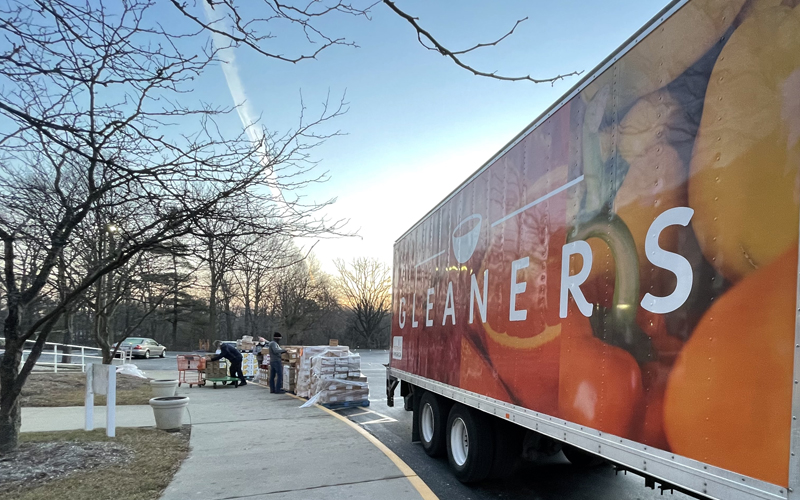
620	282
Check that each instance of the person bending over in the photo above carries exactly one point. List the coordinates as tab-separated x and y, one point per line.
234	358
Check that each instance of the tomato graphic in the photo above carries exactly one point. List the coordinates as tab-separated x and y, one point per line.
525	352
665	346
728	399
651	425
478	376
600	385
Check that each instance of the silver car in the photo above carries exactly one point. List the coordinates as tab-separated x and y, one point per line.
143	347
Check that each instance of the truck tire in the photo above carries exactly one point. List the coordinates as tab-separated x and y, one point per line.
470	444
432	417
580	458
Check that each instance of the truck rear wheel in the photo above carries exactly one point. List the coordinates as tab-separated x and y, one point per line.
432	415
470	444
580	458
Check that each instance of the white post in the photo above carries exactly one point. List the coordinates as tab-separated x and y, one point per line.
83	360
55	358
89	403
111	402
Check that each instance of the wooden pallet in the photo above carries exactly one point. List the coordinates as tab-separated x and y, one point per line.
345	404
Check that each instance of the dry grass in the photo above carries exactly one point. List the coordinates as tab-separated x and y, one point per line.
156	458
69	389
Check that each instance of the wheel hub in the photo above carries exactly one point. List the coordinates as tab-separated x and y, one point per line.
459	442
427	423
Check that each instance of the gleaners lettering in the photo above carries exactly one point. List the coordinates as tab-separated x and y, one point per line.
570	284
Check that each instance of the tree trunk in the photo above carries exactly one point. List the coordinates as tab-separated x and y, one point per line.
226	297
10	424
10	418
175	303
12	378
62	294
212	310
212	293
66	358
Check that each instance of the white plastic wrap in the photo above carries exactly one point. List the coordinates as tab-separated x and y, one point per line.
331	391
304	371
130	369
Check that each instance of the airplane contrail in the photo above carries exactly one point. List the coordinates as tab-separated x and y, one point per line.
236	88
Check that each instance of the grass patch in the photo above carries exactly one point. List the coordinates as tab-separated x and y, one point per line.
69	389
156	456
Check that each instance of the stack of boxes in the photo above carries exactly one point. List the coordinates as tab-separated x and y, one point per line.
336	392
304	385
263	370
290	361
245	343
335	374
249	364
216	369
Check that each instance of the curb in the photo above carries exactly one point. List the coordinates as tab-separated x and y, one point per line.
425	492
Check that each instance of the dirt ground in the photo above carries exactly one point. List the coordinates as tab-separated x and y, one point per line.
69	389
136	465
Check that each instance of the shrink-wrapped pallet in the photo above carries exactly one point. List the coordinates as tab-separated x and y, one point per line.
304	375
333	391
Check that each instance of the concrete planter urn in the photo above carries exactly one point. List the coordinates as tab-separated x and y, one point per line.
168	411
163	388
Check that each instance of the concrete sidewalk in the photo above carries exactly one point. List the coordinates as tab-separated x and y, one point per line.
72	417
249	444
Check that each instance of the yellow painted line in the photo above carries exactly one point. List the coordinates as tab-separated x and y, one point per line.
422	488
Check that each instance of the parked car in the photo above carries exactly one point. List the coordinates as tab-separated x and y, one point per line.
143	347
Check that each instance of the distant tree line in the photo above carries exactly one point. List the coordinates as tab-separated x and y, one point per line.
252	287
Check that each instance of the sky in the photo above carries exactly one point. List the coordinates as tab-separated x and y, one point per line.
417	125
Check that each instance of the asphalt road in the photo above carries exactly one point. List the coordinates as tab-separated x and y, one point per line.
553	479
167	363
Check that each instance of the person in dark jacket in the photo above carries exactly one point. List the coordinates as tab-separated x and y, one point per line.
234	358
275	365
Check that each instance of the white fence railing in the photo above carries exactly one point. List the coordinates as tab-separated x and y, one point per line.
53	355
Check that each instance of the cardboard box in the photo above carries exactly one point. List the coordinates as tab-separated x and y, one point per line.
217	369
333	342
289	378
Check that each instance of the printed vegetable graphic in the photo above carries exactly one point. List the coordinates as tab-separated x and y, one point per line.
600	385
650	429
656	179
653	63
728	399
534	383
538	235
655	182
744	169
477	375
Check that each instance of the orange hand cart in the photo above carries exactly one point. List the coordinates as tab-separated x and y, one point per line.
191	370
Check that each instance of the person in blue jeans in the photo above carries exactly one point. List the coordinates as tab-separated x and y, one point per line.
234	358
275	365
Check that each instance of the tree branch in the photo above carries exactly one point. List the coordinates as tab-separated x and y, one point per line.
435	45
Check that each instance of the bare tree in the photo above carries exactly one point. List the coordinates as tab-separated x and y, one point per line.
95	122
256	263
365	285
301	297
97	118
